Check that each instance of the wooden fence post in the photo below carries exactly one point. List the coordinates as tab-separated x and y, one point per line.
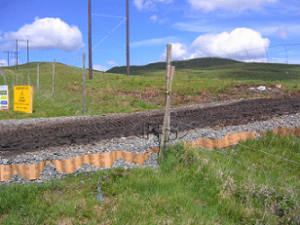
53	73
28	78
38	77
166	126
12	83
22	78
83	83
4	77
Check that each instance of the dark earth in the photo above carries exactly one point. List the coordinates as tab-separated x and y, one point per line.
38	135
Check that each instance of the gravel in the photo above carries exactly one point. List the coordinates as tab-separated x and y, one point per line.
131	144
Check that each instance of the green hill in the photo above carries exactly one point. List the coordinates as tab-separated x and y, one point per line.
182	64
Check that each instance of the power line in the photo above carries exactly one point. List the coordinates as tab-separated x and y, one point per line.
109	51
118	17
101	25
109	33
259	48
17	52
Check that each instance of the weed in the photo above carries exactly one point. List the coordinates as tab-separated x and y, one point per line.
243	185
145	89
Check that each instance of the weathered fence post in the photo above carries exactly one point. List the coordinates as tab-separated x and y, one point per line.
38	77
12	83
83	83
53	72
22	78
166	126
28	78
4	77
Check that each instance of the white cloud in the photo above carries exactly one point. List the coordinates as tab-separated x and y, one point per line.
100	68
284	60
247	44
3	62
292	30
155	41
48	33
179	51
235	5
154	18
281	32
111	63
195	26
273	60
149	4
139	3
13	62
239	40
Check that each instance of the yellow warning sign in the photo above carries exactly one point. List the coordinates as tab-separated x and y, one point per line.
23	97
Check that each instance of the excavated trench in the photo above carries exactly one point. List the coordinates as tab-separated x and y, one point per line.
37	134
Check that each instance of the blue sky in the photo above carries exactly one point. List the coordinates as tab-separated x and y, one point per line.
245	30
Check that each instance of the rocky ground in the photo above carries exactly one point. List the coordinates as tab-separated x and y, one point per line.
34	140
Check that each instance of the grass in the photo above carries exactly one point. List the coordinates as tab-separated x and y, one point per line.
145	89
181	64
236	185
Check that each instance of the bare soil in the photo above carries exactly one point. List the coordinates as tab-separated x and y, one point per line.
37	135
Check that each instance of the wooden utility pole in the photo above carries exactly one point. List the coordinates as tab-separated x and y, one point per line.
90	40
127	38
169	77
83	83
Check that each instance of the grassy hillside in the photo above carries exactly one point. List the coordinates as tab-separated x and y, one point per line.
183	64
226	69
114	93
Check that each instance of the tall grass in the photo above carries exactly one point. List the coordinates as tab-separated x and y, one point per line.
144	90
235	185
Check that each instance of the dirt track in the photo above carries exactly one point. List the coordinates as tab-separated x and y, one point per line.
80	130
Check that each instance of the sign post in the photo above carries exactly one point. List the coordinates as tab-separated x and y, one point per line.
23	97
4	97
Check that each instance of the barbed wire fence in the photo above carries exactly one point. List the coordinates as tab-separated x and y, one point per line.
106	93
155	95
284	73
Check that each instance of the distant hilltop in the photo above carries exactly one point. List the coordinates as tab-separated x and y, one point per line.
197	63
